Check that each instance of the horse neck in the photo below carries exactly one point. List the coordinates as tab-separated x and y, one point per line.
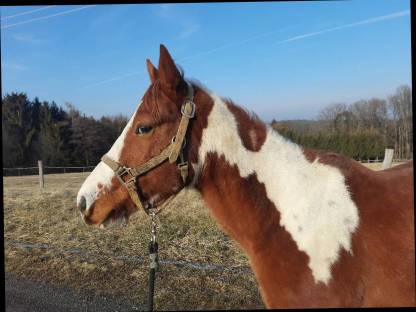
269	197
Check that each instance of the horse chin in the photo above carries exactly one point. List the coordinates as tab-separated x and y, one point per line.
158	200
119	216
116	218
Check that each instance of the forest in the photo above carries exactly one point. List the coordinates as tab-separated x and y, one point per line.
35	130
361	130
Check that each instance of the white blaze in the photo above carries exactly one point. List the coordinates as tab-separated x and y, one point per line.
102	174
312	198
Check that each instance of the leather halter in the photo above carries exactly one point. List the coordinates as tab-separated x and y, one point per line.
171	152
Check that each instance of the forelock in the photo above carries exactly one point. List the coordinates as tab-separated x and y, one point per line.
151	101
155	100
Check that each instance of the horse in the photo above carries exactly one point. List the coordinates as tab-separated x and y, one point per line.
319	229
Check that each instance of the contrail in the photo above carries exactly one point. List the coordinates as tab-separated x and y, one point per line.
27	12
49	16
184	59
236	43
367	21
113	79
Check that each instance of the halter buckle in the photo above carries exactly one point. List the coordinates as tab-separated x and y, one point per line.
122	171
131	183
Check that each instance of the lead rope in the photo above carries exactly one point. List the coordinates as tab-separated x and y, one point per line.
153	250
154	264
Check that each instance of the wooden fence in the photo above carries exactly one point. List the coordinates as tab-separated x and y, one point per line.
42	170
25	171
22	171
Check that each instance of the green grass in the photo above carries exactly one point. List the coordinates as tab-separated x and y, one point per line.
45	239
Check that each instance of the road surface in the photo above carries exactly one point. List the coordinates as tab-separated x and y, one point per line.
23	296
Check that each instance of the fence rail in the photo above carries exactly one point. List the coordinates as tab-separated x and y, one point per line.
23	171
234	269
365	161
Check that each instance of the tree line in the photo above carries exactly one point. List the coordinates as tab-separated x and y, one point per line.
34	130
361	130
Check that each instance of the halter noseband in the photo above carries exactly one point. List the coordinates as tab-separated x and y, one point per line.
171	152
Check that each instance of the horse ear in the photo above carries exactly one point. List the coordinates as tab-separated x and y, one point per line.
152	71
169	74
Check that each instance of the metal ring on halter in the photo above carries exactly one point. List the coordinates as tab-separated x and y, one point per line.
192	113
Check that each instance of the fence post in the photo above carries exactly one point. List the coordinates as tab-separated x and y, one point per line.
388	158
41	181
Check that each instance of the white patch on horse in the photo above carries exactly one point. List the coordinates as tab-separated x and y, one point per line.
197	173
312	198
154	199
103	174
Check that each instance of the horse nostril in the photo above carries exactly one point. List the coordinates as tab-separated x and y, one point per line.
82	204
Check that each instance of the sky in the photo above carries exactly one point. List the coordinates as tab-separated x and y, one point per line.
281	60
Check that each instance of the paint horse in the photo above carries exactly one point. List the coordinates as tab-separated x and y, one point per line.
319	229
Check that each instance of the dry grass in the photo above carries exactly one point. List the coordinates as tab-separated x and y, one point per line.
378	166
45	239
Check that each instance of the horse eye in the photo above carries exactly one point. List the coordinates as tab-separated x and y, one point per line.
143	129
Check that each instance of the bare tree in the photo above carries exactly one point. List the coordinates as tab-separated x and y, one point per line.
401	107
329	114
344	122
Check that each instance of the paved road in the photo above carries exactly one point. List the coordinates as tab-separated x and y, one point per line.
24	296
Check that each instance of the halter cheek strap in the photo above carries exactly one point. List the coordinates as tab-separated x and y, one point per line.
128	176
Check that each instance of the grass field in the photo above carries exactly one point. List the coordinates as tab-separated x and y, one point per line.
201	268
45	239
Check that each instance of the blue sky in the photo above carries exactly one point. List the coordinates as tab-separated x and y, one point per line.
282	60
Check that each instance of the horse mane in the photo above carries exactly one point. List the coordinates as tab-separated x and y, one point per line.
251	114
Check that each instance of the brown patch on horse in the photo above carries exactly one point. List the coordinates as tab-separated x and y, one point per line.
252	131
386	210
243	210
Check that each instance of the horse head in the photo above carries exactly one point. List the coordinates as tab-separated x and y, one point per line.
111	192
